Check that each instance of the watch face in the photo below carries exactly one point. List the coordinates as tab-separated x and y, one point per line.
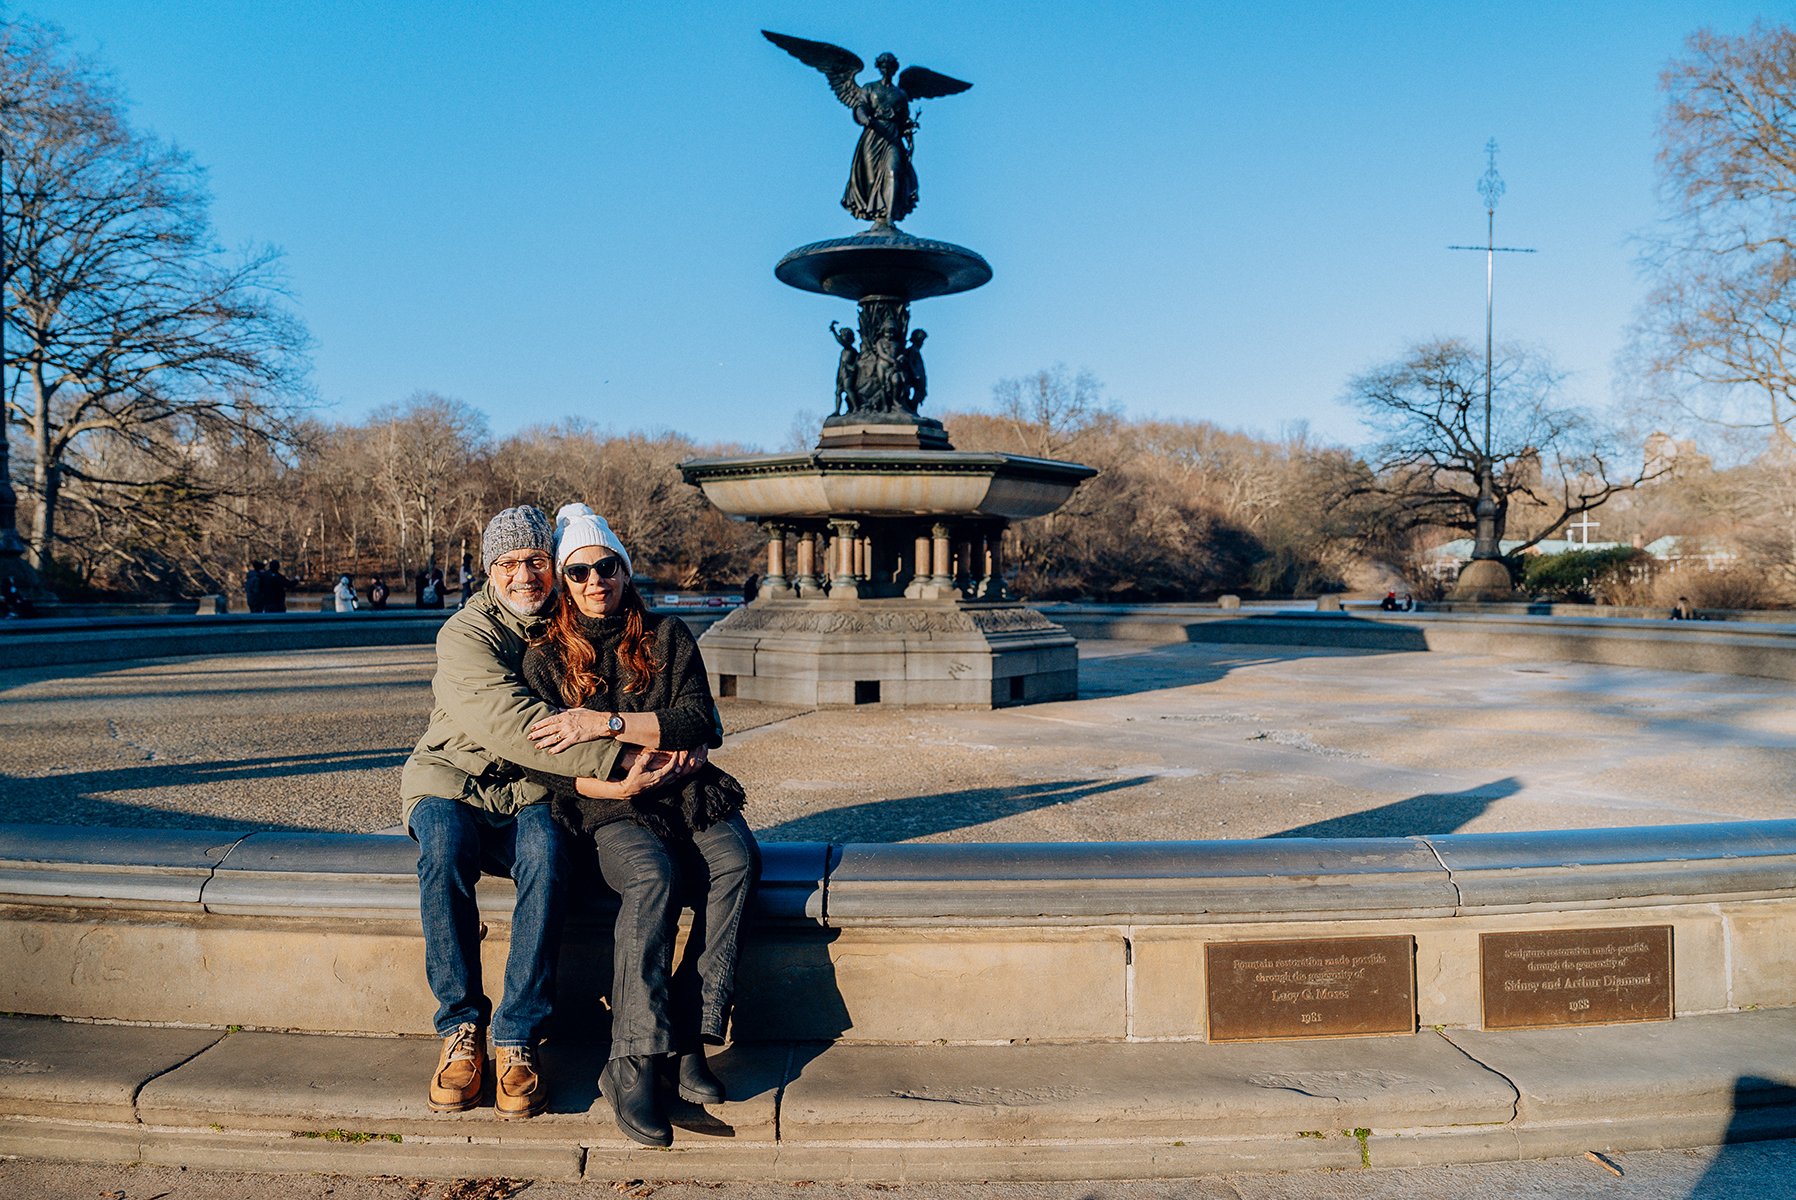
616	723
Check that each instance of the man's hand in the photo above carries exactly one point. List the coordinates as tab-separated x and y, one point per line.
646	770
686	762
569	728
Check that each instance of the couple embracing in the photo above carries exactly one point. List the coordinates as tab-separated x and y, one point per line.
569	737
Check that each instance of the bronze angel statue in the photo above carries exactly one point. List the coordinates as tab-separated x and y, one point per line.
882	184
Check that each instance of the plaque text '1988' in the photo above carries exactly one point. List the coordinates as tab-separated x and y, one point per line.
1543	978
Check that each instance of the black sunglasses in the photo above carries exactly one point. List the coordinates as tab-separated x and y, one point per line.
606	567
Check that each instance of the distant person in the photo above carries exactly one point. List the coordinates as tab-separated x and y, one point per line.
1389	603
344	593
377	593
252	586
467	580
14	603
274	587
419	583
751	587
1681	611
1409	601
433	588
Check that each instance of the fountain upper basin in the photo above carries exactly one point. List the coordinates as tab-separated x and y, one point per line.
894	483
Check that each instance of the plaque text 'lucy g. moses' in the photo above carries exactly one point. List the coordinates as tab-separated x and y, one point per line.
1550	977
1310	988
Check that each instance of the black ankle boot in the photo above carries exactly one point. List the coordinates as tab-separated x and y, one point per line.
628	1085
695	1082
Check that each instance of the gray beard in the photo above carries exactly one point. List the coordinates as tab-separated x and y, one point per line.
534	610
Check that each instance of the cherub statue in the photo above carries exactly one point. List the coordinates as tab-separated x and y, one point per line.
882	184
846	400
915	376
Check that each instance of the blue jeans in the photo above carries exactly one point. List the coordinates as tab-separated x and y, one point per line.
456	842
654	1008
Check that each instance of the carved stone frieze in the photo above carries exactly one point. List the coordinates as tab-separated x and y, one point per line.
824	620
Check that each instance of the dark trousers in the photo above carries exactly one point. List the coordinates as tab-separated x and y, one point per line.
656	1009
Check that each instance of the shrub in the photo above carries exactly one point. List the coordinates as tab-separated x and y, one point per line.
1583	576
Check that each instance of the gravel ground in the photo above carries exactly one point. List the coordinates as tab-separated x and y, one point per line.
1189	741
1753	1171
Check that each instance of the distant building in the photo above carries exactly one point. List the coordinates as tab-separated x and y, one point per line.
1444	562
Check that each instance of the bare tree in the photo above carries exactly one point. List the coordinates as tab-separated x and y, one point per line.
427	460
634	482
1049	411
124	318
1719	330
1426	411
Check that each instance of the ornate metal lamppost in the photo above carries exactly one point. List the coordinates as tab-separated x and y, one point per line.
1485	577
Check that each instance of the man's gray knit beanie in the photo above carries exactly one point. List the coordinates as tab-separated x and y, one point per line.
520	528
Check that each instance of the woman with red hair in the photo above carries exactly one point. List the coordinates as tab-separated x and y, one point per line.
667	827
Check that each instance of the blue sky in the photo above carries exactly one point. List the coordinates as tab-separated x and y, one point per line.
1222	210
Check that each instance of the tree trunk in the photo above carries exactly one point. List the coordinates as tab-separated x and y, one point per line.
46	479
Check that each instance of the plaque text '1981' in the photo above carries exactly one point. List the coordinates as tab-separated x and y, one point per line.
1310	988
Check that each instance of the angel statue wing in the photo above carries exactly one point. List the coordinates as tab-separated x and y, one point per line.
839	66
920	83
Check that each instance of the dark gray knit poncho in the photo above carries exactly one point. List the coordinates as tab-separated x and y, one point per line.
678	693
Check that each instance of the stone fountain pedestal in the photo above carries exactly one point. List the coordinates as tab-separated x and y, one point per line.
884	577
934	653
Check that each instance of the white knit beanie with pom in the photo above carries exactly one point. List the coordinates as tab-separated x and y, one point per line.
577	526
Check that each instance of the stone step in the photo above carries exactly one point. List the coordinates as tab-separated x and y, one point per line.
354	1105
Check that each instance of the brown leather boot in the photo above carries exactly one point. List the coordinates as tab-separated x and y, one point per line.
460	1070
520	1090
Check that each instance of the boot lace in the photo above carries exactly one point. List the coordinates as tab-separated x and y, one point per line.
465	1047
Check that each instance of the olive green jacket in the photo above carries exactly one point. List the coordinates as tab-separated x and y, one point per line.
477	741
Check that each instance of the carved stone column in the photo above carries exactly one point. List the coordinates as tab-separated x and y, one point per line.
843	585
919	574
942	576
807	583
774	583
860	556
992	586
964	578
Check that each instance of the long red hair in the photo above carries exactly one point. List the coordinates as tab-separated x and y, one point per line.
579	661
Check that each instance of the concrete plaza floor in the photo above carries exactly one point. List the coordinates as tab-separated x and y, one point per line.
1185	741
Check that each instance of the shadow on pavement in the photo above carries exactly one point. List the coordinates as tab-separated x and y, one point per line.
903	819
1760	1112
1181	665
88	811
1431	812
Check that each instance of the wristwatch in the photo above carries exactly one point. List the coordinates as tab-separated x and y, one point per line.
615	724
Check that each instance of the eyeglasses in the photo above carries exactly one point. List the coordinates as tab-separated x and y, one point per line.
605	568
535	563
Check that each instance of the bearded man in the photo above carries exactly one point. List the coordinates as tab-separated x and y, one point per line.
469	807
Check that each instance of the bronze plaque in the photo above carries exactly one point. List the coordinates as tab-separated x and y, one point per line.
1544	978
1310	988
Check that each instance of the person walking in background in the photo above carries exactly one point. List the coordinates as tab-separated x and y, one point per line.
344	593
377	593
430	587
252	587
467	580
274	587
